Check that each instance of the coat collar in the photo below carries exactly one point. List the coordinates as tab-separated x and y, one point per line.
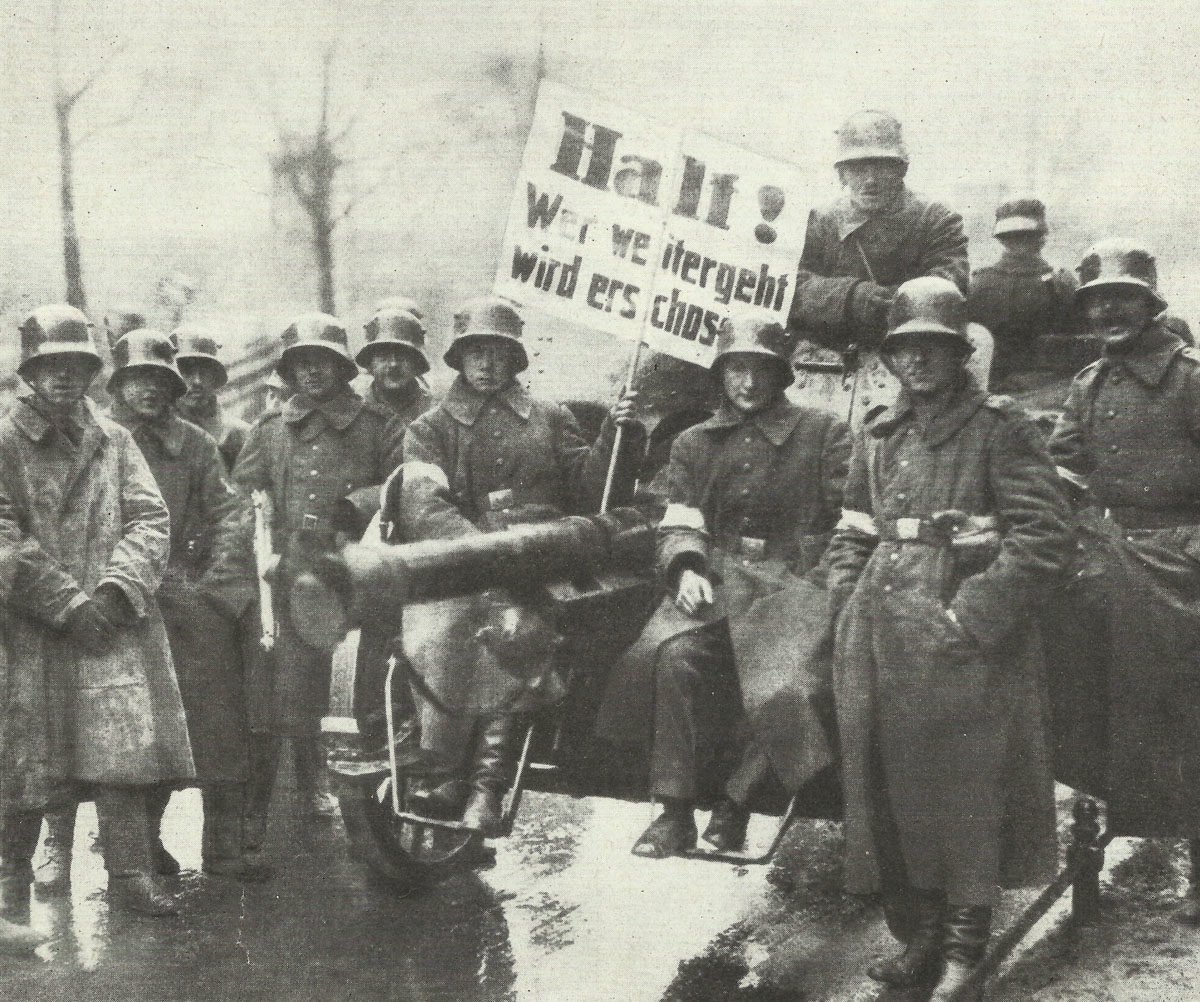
1153	352
967	399
36	425
340	410
414	395
776	423
464	404
168	433
850	218
1022	264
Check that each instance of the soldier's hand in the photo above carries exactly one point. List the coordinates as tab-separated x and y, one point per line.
87	626
114	605
694	593
625	410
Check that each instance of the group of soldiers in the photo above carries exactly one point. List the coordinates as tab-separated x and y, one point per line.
905	568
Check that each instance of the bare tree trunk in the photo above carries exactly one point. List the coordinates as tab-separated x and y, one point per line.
72	263
323	247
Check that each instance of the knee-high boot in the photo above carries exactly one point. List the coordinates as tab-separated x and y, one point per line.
20	838
157	799
311	787
126	843
256	806
966	938
52	878
495	758
223	854
918	962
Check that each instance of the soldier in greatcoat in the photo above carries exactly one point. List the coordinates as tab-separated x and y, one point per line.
486	456
394	355
954	524
1126	652
205	374
190	472
93	707
324	445
1021	299
752	494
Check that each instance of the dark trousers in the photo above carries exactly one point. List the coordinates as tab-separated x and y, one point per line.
696	706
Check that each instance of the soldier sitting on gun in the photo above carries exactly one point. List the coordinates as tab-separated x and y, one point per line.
489	455
753	495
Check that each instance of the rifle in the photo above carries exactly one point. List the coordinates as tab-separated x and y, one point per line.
265	562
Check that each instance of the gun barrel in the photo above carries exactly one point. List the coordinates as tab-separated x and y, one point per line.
373	583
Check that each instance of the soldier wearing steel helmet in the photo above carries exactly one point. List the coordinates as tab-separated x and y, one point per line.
394	355
324	447
93	704
1130	431
953	525
1022	299
198	360
753	493
487	456
874	237
147	386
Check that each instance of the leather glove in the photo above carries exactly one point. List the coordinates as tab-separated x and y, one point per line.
87	626
869	308
114	605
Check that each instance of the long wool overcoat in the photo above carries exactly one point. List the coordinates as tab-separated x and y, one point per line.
942	724
775	477
84	515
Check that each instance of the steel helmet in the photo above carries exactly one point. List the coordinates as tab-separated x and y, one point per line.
316	330
57	329
1020	215
405	303
489	317
1119	261
931	306
394	327
145	349
195	344
749	335
870	135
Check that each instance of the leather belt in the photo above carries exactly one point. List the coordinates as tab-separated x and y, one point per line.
925	531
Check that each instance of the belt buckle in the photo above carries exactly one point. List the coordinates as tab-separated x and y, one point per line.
908	528
500	500
752	548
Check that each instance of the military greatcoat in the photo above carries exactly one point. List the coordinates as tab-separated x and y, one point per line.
1125	655
944	754
848	255
229	432
86	511
204	506
751	504
308	457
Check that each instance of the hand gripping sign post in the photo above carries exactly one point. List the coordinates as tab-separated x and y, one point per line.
647	231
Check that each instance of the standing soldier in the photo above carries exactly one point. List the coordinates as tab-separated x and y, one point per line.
487	456
324	444
204	374
1131	430
394	356
92	696
190	473
953	521
1021	298
278	391
752	494
875	236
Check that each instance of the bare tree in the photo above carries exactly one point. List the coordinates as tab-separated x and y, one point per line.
311	165
66	97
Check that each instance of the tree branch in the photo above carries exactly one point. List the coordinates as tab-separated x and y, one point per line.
120	120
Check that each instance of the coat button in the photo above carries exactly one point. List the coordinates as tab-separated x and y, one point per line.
901	497
312	473
893	556
312	497
500	462
745	492
887	588
315	448
1111	414
904	462
745	466
749	440
1113	448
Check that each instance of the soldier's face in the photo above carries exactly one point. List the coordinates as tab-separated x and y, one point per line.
392	368
315	373
201	379
874	185
488	365
927	366
61	381
146	392
750	382
1117	313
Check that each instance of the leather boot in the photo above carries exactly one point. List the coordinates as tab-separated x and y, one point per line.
20	838
918	962
672	833
726	831
131	885
966	938
311	791
52	877
264	764
495	755
443	801
1189	910
222	852
157	798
